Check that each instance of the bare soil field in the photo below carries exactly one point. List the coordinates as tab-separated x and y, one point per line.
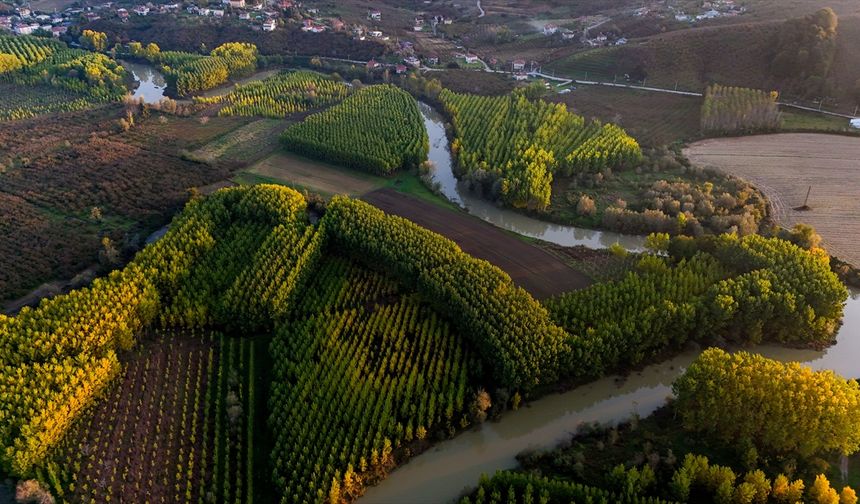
785	166
312	175
531	267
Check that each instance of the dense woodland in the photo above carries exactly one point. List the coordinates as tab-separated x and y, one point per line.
34	60
378	129
279	96
513	146
744	429
473	325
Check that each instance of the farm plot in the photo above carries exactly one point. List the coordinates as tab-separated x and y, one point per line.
177	427
313	175
246	144
530	267
785	166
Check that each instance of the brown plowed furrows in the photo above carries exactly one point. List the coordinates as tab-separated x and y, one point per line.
531	267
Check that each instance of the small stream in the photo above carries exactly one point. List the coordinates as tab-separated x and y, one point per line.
442	173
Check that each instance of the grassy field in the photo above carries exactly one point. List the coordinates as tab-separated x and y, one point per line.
793	119
243	145
651	118
315	176
785	166
326	179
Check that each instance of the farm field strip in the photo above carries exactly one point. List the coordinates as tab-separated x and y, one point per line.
313	175
784	166
174	428
530	267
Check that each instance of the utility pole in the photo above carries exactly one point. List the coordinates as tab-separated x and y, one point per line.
806	201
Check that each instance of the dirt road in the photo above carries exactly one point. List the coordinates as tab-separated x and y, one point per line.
531	267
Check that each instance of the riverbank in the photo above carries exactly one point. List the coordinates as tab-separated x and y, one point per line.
445	471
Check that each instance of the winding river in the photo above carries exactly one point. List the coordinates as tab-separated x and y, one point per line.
443	473
442	174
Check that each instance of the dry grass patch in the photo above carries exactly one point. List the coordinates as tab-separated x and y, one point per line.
785	166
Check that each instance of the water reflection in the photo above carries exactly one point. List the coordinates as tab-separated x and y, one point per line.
442	473
457	192
151	84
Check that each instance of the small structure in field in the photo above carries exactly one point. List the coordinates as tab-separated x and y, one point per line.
855	123
550	29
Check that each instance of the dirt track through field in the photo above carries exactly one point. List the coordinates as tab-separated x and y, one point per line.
785	166
531	267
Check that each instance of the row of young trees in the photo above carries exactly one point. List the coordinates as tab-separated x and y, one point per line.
511	331
279	96
728	109
378	129
374	367
749	289
521	143
29	60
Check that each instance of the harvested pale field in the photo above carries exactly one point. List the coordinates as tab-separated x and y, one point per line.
313	175
784	166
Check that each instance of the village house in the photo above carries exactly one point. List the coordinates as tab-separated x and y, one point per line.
568	34
520	76
59	30
518	65
432	60
5	22
23	12
91	16
244	15
471	58
412	61
26	29
141	10
236	4
399	69
337	25
550	29
285	4
375	15
218	12
269	25
375	33
372	65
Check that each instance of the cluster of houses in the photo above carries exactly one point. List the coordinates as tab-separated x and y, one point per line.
709	9
27	22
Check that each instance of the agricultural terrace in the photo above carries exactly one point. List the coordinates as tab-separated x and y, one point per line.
732	109
188	73
784	167
378	129
279	96
31	60
515	145
368	365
